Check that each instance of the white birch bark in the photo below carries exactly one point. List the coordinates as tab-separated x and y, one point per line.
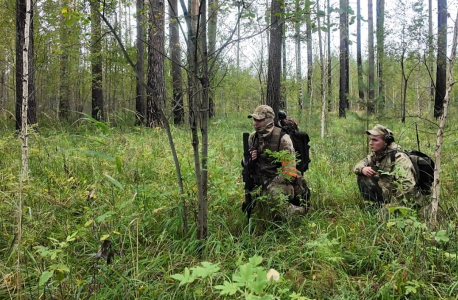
23	135
440	131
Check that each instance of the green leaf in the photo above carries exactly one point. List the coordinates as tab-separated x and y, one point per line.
45	276
255	260
441	236
178	277
228	288
99	124
246	273
114	181
72	237
188	277
104	216
97	154
206	270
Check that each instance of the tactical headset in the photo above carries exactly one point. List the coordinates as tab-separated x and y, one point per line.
389	138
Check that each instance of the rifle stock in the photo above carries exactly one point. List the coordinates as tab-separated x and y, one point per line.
247	205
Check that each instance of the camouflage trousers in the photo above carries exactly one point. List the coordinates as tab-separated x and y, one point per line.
370	190
281	199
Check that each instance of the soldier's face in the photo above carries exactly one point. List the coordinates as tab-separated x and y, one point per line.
377	143
259	124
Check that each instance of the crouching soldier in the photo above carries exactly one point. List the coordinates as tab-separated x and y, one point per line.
276	190
387	175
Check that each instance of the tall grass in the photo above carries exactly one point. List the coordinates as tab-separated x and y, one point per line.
88	184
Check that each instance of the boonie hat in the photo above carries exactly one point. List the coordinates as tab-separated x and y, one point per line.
263	112
379	130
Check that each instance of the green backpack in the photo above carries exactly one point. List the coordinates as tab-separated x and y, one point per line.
424	167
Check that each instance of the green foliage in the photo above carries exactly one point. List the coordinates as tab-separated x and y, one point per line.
249	281
94	182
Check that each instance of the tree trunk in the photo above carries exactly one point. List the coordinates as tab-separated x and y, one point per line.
140	96
27	34
212	29
308	33
202	213
297	38
359	60
156	80
343	79
274	65
96	62
323	76
191	17
175	50
64	90
441	74
380	50
440	131
282	102
20	40
430	51
371	62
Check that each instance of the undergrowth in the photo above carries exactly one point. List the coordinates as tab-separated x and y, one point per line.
99	194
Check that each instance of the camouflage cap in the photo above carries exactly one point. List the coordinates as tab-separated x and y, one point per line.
379	130
262	112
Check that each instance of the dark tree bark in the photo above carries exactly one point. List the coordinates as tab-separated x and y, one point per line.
297	38
371	62
282	102
441	74
140	97
96	62
212	28
359	60
274	65
177	78
204	81
156	81
343	61
20	40
64	92
380	50
430	50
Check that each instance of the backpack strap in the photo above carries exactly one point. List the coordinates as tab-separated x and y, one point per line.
282	133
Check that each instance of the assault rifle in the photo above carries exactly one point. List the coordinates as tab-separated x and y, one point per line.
248	204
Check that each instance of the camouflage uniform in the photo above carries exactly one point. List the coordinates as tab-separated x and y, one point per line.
276	189
395	180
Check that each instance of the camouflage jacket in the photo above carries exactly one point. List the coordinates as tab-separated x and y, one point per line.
396	179
265	170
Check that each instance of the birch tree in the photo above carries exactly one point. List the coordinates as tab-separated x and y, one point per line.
24	121
20	40
442	121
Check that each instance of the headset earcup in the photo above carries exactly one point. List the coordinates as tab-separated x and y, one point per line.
389	139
